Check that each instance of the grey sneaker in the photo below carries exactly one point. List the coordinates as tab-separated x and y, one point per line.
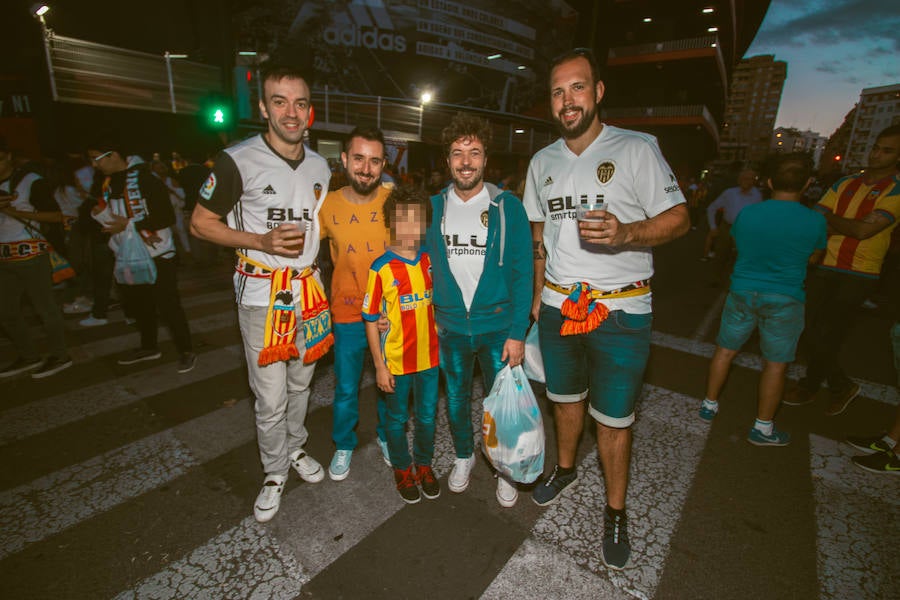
139	355
548	490
20	366
51	366
186	362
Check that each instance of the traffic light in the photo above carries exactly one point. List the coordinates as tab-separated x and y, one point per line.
217	113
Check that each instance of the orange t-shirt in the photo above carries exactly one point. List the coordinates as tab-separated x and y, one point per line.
357	236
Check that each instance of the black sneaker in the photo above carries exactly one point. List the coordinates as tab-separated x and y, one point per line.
52	366
869	444
20	366
186	362
406	484
548	490
431	487
616	548
139	355
880	462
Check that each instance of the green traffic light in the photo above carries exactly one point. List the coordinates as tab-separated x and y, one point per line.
219	116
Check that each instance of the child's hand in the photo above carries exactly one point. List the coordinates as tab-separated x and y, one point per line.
384	380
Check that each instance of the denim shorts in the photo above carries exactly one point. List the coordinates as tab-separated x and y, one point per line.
778	317
606	366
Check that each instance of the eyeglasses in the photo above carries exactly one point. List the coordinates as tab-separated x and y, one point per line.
100	157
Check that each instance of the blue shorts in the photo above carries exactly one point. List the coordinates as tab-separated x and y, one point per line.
606	365
778	317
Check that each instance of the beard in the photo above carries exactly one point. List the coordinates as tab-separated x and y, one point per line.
587	119
471	184
361	188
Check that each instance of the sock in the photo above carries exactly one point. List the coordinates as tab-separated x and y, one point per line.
890	442
712	405
764	427
565	470
614	512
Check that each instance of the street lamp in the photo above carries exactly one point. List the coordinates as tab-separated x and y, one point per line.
424	99
38	10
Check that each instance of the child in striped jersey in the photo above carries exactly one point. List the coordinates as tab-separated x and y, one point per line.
399	289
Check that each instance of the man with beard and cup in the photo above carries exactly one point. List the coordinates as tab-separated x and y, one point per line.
479	246
262	198
352	220
592	278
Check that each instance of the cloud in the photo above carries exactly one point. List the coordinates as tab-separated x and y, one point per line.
829	67
842	21
852	79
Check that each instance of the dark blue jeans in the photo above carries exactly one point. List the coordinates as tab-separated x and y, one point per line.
458	353
424	389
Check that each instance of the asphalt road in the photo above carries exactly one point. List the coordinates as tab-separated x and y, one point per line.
138	482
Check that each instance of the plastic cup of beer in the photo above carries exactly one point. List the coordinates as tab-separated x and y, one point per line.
298	245
582	210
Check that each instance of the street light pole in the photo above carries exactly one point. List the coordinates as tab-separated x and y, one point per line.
424	99
171	84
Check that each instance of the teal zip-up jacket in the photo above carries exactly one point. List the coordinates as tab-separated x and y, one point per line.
502	299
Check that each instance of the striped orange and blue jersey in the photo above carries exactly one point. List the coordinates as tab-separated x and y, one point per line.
401	290
853	198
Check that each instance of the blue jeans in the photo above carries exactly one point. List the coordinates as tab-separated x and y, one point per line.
350	348
458	352
424	388
606	365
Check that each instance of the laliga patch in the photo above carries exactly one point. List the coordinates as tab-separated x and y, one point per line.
484	219
317	190
209	187
605	171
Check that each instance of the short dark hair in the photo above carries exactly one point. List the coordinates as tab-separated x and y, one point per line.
465	126
790	172
275	71
406	195
889	131
585	53
106	143
372	134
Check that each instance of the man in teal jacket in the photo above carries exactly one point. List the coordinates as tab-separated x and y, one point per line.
479	240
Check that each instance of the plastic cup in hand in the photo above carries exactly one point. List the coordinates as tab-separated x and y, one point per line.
582	211
296	245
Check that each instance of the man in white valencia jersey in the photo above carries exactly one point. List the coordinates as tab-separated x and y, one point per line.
263	199
592	278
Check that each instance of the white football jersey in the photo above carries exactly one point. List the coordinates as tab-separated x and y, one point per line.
625	169
256	190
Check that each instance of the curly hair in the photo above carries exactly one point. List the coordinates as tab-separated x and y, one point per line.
464	126
406	195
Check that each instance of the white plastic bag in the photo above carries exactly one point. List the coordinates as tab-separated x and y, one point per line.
512	429
534	361
134	265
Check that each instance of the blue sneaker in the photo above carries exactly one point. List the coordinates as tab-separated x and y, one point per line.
706	413
384	451
778	438
340	465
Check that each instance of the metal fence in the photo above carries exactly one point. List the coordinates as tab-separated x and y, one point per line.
407	119
89	73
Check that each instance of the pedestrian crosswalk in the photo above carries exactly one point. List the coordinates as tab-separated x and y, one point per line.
131	509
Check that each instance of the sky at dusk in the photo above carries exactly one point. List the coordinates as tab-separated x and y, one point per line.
833	49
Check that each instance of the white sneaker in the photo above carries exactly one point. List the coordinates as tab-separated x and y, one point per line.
507	494
307	467
92	322
269	498
459	476
79	306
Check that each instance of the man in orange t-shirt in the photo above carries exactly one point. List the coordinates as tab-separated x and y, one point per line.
353	221
861	211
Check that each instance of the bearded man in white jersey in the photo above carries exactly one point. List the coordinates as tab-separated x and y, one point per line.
263	198
592	278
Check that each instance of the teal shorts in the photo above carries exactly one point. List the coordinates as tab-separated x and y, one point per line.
606	366
778	317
